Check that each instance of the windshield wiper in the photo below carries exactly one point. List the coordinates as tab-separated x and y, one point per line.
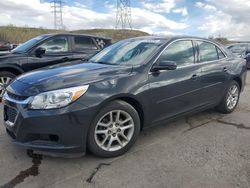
102	62
17	52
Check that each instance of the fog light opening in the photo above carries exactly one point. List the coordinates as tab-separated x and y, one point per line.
53	137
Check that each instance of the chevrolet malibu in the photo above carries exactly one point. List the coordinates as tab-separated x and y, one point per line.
133	84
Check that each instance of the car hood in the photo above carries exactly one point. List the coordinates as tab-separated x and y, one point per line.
4	53
63	77
7	55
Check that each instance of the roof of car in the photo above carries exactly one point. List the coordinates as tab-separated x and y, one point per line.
76	34
237	43
168	37
174	38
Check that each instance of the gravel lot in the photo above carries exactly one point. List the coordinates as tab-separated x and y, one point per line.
204	150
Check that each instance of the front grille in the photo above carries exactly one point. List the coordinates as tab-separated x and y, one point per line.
10	114
16	97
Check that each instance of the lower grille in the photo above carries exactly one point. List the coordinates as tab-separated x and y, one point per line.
10	114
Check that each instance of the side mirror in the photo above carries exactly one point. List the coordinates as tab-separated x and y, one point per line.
165	65
40	51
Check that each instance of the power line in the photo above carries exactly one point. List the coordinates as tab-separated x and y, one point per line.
57	6
123	14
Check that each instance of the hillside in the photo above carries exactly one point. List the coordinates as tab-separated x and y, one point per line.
112	33
22	34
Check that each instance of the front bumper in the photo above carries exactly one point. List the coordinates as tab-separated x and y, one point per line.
58	131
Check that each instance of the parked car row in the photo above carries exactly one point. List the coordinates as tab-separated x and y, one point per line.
103	101
47	50
6	46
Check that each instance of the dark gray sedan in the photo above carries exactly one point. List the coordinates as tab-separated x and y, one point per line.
133	84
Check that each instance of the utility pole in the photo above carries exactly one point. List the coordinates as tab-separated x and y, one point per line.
123	15
57	6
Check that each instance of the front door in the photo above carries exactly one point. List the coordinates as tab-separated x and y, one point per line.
176	91
57	51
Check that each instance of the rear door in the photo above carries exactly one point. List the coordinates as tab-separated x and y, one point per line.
175	91
84	47
214	72
58	50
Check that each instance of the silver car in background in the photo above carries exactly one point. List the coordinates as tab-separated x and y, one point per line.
241	49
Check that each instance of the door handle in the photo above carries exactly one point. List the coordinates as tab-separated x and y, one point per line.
225	69
65	59
194	76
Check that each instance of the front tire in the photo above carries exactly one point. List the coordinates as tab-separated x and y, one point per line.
231	98
114	130
5	79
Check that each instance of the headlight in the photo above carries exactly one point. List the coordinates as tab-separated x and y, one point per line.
57	98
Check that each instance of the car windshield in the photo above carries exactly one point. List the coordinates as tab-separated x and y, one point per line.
27	45
134	51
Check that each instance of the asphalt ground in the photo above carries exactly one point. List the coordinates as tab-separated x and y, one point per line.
208	149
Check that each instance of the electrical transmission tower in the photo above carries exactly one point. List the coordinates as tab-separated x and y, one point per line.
123	14
57	6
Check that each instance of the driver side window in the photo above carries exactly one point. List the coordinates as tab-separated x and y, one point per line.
56	45
181	52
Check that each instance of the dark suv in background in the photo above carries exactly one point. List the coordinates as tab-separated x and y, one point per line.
46	50
241	49
4	45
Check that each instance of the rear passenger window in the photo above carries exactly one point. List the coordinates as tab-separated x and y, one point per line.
220	54
208	51
181	52
84	43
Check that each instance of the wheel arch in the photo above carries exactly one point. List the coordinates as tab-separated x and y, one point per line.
13	69
130	99
239	81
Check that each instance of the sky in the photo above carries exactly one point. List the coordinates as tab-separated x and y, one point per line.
205	18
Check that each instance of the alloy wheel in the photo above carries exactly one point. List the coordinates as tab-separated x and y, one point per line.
232	97
114	130
4	81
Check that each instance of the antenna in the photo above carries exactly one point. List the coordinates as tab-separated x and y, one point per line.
57	6
123	14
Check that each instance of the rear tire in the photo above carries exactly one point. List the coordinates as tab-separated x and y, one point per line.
114	129
231	98
5	79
